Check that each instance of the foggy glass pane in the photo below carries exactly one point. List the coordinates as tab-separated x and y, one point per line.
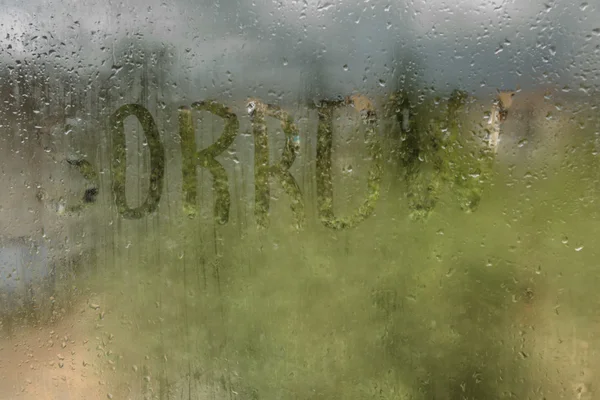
299	200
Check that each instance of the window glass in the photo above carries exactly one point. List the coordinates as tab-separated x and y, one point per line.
299	200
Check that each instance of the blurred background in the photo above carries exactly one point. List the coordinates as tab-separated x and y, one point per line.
321	248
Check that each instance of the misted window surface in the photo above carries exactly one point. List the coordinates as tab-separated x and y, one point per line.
266	200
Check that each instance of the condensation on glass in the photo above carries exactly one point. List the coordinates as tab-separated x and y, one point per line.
299	200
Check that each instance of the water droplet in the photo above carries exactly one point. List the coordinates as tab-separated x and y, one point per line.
596	31
345	67
579	248
583	6
285	62
381	83
324	6
251	107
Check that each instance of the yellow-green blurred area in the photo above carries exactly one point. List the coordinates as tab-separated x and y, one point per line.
495	302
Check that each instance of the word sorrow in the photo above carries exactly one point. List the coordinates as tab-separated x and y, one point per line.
264	172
